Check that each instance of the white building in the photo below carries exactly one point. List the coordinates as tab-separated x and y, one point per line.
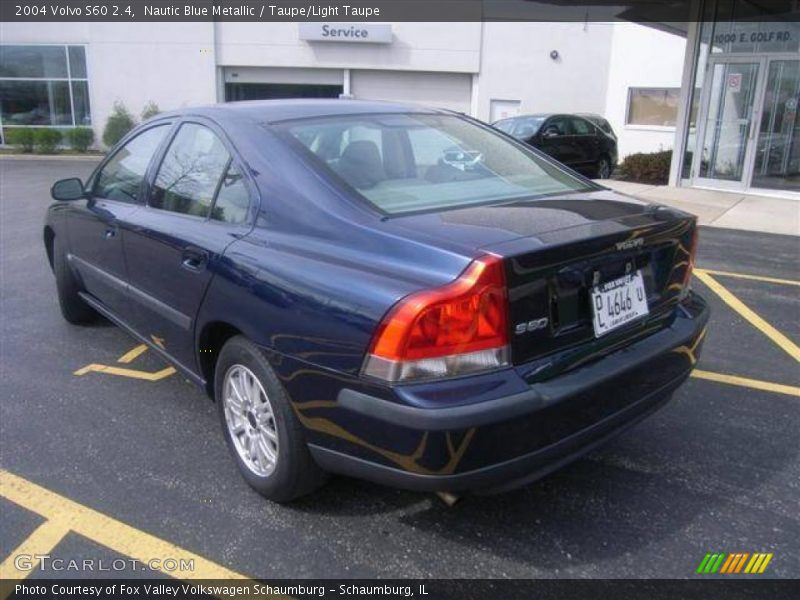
738	123
488	70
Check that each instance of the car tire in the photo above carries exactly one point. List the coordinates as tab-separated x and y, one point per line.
265	429
603	170
73	308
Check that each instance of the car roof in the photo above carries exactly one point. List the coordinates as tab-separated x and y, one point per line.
273	111
591	116
528	116
546	115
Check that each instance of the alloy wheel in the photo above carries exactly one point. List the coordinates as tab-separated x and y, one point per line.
250	420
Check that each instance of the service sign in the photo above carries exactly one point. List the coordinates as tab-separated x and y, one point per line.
371	33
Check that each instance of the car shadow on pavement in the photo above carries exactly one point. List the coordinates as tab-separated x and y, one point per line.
100	322
679	474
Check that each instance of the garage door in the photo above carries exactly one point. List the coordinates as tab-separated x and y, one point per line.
443	90
267	83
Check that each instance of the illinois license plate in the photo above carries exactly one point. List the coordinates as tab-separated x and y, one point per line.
618	302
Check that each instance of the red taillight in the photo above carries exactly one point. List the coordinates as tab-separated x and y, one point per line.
467	318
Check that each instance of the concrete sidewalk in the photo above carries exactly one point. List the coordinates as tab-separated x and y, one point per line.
731	210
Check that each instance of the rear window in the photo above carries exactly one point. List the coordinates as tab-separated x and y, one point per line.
599	121
416	162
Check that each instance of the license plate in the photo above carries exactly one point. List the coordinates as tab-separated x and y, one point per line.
618	302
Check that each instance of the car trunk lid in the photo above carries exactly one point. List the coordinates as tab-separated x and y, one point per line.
550	278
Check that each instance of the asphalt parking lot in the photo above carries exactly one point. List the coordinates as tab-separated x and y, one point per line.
106	452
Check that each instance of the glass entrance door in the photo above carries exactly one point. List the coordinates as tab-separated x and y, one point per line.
728	123
777	154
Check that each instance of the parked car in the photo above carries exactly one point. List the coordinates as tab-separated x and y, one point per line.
380	290
601	122
570	139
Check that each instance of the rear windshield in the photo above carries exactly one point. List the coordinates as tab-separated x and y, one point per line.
415	162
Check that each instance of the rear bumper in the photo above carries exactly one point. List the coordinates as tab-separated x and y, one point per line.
520	437
500	476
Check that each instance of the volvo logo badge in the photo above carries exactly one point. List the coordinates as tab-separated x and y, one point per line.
630	244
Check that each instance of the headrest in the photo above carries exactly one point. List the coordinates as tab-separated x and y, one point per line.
361	165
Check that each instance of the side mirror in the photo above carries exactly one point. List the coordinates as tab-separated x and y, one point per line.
67	190
550	133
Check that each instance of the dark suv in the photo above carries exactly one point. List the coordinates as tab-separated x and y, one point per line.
571	139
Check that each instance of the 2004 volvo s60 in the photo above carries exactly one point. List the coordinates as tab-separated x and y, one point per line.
400	294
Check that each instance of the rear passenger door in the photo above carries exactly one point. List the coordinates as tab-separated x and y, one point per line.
587	144
200	200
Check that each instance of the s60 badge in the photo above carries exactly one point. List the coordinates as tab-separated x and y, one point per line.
534	325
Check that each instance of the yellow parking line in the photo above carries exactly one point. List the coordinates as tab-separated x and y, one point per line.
752	277
756	321
41	541
122	372
65	515
132	355
756	384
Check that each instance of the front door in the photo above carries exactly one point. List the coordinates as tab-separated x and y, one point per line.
728	123
750	127
557	140
777	153
96	225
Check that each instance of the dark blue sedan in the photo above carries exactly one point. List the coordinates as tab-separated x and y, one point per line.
385	291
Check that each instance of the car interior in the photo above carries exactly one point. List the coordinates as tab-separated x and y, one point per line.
367	158
404	164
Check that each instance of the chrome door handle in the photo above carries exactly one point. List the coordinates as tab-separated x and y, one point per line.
109	233
194	259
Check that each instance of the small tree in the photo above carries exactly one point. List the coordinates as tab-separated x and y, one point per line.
119	122
46	140
80	138
150	110
21	137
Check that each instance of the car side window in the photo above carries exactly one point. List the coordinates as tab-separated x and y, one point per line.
190	172
506	125
122	176
581	127
557	126
233	198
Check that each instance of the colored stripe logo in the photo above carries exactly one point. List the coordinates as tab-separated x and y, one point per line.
738	562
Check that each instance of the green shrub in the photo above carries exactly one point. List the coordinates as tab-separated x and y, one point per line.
46	140
21	137
119	123
150	110
80	138
650	168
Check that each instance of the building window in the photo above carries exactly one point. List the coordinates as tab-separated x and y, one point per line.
43	86
653	106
